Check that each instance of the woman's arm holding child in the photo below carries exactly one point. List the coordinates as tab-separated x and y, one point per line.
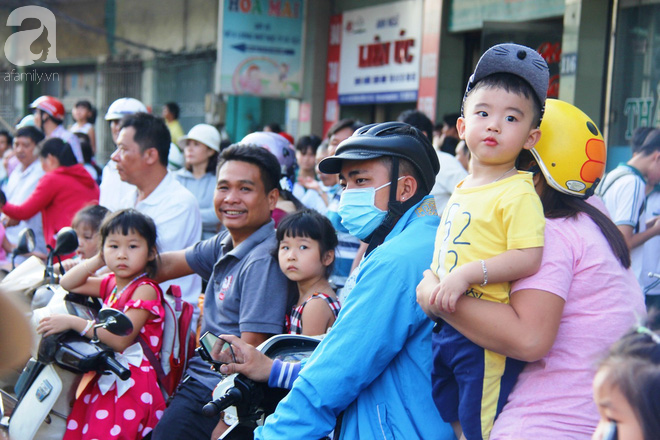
505	267
81	278
525	329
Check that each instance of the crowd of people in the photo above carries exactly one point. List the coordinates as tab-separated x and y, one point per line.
467	277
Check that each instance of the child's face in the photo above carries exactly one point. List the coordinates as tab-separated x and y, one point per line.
327	179
497	125
613	407
80	114
126	255
306	160
87	240
300	258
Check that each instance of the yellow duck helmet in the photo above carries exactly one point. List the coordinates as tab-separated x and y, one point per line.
571	152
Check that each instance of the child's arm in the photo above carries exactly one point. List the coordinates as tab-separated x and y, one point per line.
81	278
316	318
505	267
59	323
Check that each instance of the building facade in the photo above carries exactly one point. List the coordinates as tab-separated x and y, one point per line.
331	59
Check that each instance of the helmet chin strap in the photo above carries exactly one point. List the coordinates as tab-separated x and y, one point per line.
395	210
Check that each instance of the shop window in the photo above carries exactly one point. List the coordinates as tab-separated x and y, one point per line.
636	76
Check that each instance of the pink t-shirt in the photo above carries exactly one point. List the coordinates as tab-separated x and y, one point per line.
552	397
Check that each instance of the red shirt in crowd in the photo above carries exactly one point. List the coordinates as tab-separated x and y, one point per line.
58	196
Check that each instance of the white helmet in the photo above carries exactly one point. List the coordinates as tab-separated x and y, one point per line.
124	106
203	133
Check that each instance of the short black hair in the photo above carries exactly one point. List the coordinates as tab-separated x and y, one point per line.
418	120
651	143
150	132
6	134
450	119
274	127
31	132
269	167
311	224
344	123
84	103
127	220
59	149
512	84
306	143
85	146
92	215
173	108
639	136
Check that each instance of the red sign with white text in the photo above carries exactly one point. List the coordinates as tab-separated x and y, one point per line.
331	110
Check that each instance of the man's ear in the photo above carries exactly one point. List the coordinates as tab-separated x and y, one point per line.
151	156
460	127
407	187
532	139
272	197
328	258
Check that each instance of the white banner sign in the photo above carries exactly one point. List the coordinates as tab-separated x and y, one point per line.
380	53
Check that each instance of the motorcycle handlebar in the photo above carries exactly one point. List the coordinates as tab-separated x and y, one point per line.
231	397
113	365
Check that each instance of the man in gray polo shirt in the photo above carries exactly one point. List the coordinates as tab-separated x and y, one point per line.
246	293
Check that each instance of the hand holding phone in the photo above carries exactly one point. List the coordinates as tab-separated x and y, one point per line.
215	350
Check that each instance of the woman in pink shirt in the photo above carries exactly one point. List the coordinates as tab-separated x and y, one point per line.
61	192
583	298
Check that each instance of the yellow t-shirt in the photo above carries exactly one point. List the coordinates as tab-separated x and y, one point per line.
175	131
482	222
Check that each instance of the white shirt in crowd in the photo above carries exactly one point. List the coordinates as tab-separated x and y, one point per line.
20	186
451	172
175	211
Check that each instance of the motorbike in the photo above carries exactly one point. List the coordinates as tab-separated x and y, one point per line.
247	403
46	389
25	280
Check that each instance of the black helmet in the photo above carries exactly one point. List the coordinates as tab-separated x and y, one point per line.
396	139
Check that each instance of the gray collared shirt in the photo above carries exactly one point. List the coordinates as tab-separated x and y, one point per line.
246	292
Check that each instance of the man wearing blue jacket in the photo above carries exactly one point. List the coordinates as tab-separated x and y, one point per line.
373	368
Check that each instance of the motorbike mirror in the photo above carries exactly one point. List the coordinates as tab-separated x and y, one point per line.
25	242
114	321
66	242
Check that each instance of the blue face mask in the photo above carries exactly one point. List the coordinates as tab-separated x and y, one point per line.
358	213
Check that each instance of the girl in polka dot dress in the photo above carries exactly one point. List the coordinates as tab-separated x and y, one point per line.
106	406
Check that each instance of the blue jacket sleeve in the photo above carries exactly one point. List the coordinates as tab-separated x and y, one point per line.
378	318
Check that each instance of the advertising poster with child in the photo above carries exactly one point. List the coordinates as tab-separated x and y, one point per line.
261	48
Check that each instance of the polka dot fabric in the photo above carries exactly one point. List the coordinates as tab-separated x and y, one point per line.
136	412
